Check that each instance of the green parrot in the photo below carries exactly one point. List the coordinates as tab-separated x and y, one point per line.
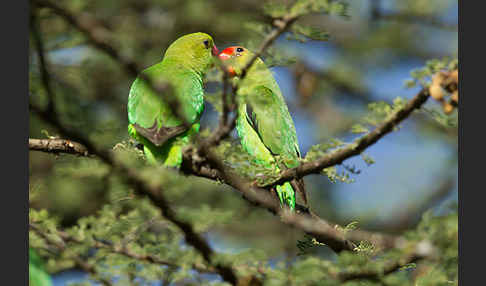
37	274
264	124
152	122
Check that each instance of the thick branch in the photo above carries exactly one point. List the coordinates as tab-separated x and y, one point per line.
324	231
319	228
57	146
352	149
155	194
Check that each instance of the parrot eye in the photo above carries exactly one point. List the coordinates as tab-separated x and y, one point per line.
239	50
206	43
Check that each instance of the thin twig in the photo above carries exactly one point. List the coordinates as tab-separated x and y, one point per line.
225	127
61	246
93	33
281	25
120	250
421	251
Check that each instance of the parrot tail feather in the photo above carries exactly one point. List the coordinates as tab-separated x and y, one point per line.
286	195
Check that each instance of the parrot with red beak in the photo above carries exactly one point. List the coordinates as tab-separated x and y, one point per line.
152	122
264	124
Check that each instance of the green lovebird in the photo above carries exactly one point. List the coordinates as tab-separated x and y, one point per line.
37	275
264	124
152	120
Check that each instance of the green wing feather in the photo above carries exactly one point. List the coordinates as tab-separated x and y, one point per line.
151	112
145	107
271	118
266	130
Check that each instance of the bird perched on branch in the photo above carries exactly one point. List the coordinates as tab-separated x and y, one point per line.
264	125
163	121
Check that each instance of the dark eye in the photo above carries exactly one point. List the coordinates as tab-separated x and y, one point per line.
206	43
239	50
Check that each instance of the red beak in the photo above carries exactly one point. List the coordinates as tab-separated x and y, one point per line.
225	55
215	51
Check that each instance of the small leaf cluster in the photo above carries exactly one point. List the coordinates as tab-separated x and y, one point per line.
423	76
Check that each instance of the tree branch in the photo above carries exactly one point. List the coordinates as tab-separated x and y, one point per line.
120	250
352	149
155	194
324	231
93	33
312	224
61	246
315	226
225	126
142	188
57	146
39	45
422	250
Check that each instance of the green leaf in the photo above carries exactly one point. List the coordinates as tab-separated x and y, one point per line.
310	32
358	128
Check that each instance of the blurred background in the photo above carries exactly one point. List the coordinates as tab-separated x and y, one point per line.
367	57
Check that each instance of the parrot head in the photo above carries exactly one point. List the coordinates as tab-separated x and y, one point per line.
195	50
235	59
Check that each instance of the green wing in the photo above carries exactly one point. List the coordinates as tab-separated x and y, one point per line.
151	114
267	130
267	113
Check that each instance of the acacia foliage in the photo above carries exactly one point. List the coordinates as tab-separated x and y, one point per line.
81	211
